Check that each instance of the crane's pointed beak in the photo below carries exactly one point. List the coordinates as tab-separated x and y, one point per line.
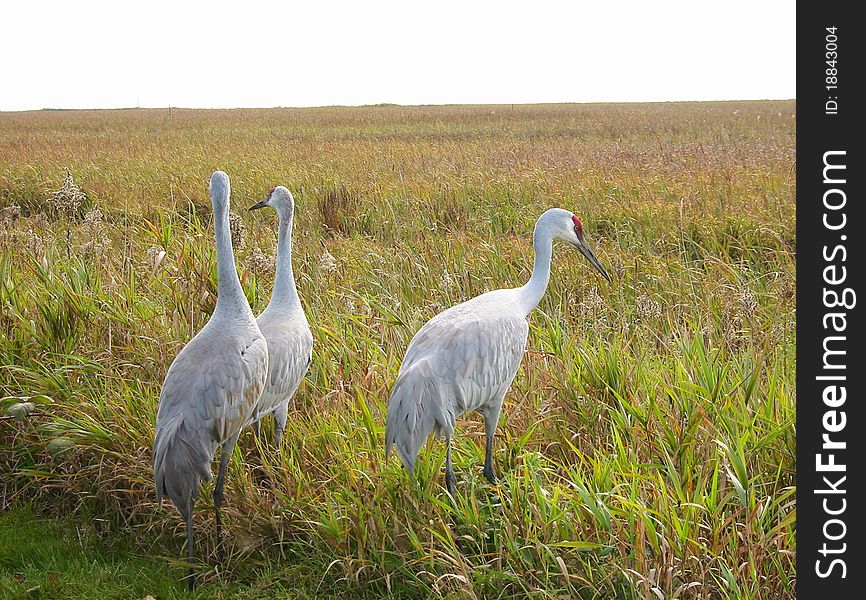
259	204
590	256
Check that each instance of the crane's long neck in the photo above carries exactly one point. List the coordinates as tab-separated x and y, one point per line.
285	293
230	295
531	293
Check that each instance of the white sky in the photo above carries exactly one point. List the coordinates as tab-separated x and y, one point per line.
89	53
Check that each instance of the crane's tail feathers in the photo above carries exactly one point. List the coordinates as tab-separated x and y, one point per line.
179	464
416	409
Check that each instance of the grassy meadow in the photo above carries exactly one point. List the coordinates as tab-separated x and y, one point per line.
646	449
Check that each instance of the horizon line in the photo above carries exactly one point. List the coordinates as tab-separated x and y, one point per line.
393	105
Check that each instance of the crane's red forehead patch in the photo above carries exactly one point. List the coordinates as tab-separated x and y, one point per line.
578	226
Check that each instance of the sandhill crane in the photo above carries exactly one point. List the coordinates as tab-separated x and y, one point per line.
466	357
283	323
211	388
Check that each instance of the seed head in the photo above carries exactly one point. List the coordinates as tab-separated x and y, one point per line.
261	263
10	213
328	263
237	227
68	199
646	307
748	302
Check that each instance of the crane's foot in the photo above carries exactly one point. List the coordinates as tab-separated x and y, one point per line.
190	580
490	474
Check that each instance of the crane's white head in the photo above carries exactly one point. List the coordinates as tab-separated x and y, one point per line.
220	190
566	226
280	199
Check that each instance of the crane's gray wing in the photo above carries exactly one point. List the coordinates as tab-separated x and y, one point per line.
209	391
290	352
291	355
454	363
469	349
214	387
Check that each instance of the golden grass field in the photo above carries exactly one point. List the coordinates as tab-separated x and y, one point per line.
646	450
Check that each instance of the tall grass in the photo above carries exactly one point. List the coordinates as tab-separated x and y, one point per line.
647	447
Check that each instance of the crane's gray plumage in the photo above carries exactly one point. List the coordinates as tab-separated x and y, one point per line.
212	387
458	362
283	323
466	357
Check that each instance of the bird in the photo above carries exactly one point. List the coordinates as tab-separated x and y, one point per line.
211	387
283	323
465	358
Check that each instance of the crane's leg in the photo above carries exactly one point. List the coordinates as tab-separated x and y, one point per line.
190	576
257	428
450	480
489	473
491	419
281	415
225	455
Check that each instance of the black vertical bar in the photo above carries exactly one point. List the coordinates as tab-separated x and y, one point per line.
829	245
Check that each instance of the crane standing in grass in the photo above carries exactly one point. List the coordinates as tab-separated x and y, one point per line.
466	357
211	388
283	323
